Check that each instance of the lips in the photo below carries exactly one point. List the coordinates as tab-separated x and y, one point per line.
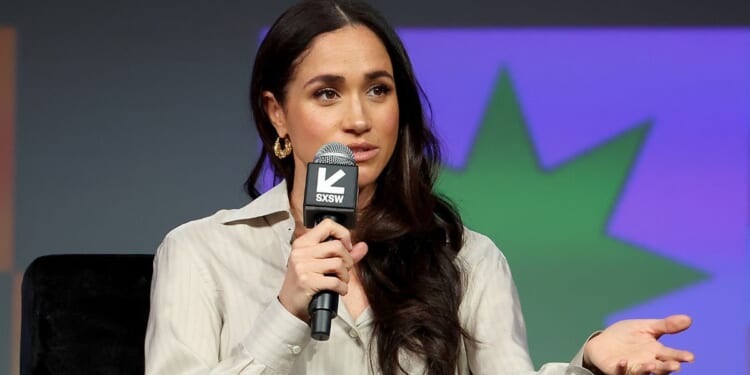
363	151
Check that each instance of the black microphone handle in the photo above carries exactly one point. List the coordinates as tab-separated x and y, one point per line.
324	305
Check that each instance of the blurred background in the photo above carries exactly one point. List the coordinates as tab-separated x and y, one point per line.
602	145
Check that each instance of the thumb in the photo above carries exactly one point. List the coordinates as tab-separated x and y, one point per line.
359	250
672	324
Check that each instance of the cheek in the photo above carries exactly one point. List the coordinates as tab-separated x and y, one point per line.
308	130
390	128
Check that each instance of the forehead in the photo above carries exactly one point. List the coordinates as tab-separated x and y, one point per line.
352	49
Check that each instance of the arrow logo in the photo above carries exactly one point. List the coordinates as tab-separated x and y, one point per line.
325	185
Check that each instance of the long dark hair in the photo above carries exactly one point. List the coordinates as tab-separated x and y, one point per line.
409	275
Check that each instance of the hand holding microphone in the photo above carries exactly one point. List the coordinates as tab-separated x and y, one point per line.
318	269
316	265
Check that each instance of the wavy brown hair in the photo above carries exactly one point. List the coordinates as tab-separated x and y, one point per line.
409	275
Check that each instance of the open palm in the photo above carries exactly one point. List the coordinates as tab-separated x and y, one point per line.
631	347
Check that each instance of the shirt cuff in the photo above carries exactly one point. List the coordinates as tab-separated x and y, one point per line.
576	364
277	338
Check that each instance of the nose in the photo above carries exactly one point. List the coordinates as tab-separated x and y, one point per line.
357	120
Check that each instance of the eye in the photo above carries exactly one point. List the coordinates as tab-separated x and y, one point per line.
326	94
380	90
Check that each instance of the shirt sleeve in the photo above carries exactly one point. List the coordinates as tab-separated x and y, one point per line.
491	314
185	324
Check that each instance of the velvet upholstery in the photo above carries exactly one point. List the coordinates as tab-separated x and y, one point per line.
85	314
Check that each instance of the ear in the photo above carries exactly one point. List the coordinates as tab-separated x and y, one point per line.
275	113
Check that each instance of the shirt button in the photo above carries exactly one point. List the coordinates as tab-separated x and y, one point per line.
295	349
353	333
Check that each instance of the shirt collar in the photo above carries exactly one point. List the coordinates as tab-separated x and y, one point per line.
272	201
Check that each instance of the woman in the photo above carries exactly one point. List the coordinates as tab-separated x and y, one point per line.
420	293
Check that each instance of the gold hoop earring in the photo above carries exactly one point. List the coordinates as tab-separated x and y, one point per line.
286	150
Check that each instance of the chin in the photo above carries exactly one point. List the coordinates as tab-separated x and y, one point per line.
365	181
369	173
365	184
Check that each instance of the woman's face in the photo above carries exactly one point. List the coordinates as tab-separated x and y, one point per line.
342	90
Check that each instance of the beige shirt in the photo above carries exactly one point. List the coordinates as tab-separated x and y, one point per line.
214	308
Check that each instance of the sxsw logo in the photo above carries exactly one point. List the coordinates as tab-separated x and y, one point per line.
326	192
331	190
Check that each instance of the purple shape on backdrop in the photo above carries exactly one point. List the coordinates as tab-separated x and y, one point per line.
579	87
687	195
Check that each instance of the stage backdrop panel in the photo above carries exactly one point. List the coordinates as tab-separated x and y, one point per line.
608	162
610	166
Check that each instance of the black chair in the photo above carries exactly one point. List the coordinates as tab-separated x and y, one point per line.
85	314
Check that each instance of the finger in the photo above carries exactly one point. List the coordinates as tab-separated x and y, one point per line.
330	267
333	267
622	367
667	367
669	354
640	369
670	324
359	250
332	249
321	232
644	369
633	370
321	283
323	250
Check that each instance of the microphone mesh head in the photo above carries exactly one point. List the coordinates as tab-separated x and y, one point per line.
334	153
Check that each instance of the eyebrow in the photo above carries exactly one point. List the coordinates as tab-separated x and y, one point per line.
332	78
325	78
377	74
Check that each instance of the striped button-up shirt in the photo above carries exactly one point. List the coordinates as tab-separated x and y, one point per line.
214	308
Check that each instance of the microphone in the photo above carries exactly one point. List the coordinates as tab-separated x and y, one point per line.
330	193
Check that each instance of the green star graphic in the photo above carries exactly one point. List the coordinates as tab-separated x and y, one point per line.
552	226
